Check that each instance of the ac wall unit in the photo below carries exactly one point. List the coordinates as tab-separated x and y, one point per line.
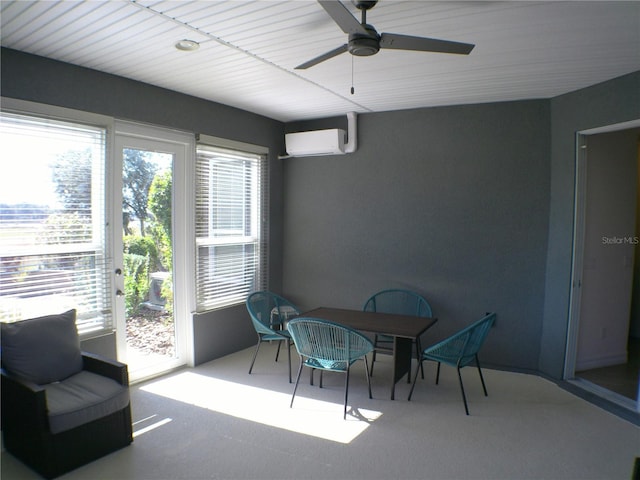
316	142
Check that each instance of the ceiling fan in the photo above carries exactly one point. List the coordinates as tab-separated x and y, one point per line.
364	40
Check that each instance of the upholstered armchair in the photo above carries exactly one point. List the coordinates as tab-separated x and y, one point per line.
61	408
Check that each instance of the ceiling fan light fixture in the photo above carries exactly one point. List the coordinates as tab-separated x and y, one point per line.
187	45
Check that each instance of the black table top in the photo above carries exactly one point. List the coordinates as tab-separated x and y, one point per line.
406	326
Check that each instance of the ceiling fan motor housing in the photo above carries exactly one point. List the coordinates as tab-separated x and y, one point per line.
364	4
364	45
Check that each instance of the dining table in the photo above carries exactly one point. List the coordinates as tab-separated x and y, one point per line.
405	329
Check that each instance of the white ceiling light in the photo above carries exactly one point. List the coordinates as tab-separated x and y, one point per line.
187	45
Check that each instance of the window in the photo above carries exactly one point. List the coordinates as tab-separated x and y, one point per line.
52	221
231	226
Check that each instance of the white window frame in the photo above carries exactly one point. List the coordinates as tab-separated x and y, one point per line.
89	325
208	294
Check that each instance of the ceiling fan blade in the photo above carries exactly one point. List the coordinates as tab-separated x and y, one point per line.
342	16
325	56
423	44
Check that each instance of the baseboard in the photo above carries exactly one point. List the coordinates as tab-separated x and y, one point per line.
601	361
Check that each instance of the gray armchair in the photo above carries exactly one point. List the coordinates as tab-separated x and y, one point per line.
61	408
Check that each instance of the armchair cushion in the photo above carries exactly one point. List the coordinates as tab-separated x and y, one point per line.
42	350
82	398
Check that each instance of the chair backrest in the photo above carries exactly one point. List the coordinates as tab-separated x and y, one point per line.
42	350
466	343
402	302
268	310
329	343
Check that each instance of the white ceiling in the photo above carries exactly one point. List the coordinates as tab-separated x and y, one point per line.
248	51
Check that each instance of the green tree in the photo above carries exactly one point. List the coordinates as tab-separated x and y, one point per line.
160	200
71	172
160	206
137	174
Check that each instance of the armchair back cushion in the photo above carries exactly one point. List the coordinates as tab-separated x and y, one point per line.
42	350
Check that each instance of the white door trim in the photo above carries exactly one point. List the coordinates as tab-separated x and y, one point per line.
183	145
577	263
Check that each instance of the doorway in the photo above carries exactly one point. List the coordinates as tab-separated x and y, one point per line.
602	354
151	311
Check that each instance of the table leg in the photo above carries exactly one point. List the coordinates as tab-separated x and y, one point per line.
402	351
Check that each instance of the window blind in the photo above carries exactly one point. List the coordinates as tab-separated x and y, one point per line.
231	225
52	218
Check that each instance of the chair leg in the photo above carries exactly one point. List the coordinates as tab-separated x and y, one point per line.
278	351
289	357
321	378
464	397
297	380
255	354
438	374
346	393
366	371
415	378
481	378
373	359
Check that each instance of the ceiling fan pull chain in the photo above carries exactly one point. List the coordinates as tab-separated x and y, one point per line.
353	90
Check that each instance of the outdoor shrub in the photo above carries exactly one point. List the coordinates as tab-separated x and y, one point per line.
167	293
144	246
136	281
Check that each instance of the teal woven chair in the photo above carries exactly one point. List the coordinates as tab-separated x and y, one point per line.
325	345
460	350
401	302
269	313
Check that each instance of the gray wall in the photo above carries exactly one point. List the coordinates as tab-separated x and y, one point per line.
38	79
459	203
452	202
608	103
470	205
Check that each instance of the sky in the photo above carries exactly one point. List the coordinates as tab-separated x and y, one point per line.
25	164
25	172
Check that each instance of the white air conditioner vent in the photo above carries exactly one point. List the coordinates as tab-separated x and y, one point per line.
316	142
